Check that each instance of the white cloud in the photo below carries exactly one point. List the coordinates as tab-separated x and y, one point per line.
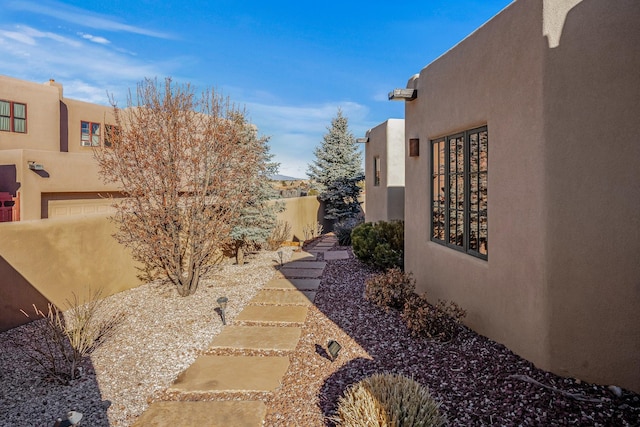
95	39
80	17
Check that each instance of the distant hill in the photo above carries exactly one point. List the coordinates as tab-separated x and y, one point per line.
284	178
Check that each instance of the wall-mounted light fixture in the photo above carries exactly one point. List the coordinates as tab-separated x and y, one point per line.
414	147
35	166
403	94
362	140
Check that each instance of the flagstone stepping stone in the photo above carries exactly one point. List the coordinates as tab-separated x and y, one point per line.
306	273
232	373
249	413
273	314
303	256
293	284
332	255
257	338
279	297
305	264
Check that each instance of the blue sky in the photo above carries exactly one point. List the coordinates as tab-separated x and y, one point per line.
291	64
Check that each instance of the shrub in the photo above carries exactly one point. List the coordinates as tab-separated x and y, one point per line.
279	235
440	322
380	245
59	342
343	229
387	400
390	289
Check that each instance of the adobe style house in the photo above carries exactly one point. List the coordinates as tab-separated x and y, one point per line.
384	169
528	133
46	160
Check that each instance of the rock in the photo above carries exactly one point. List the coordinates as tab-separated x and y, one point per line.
615	390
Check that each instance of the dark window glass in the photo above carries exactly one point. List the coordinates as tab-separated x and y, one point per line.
459	191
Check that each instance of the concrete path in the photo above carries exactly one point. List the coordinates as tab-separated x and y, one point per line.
270	322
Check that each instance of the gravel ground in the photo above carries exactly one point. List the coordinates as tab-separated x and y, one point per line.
161	334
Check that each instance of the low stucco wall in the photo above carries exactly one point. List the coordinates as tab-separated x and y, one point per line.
301	212
49	260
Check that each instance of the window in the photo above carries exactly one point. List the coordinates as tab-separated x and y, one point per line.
111	132
89	134
459	191
13	117
376	169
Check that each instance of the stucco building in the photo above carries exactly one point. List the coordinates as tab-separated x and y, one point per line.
384	169
46	142
528	133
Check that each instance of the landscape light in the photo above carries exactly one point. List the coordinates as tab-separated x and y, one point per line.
222	303
403	94
333	348
73	419
280	255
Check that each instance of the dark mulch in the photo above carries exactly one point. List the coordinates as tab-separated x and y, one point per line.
471	376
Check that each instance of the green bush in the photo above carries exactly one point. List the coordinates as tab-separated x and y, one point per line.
390	289
388	400
380	244
441	322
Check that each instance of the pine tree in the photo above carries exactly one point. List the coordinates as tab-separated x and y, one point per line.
258	217
337	169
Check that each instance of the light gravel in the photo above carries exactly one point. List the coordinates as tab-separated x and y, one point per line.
159	335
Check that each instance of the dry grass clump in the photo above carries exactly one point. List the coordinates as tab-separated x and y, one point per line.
279	235
388	400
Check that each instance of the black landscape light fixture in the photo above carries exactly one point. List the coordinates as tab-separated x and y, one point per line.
403	94
280	254
73	419
333	348
222	303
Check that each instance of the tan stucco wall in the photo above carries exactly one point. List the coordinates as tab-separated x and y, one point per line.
386	201
63	173
592	179
49	260
83	111
43	115
560	98
300	212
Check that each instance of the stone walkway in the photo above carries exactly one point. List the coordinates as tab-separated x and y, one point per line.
271	322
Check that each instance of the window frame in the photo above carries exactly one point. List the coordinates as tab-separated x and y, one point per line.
441	208
377	167
12	116
91	134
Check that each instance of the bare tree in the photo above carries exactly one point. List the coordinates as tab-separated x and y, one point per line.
184	164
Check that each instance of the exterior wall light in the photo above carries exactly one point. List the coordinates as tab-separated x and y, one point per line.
222	303
333	348
35	166
403	94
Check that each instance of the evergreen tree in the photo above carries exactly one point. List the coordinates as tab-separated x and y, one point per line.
258	216
337	169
